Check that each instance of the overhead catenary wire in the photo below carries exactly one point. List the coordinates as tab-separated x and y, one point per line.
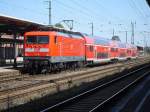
108	12
72	8
88	10
24	8
137	11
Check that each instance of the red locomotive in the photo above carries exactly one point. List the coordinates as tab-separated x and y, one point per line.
51	50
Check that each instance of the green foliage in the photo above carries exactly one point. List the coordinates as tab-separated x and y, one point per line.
59	25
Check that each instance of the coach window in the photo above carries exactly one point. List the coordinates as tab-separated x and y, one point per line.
112	49
128	51
116	50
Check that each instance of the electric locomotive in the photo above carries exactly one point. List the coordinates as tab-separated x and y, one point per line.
51	50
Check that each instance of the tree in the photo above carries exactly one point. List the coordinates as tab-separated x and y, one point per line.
59	25
116	38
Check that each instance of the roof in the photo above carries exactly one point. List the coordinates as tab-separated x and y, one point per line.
8	40
11	24
102	41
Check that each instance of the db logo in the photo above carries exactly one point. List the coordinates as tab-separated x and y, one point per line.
36	49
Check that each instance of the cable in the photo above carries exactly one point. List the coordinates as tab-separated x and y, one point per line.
71	8
22	7
87	9
109	13
136	9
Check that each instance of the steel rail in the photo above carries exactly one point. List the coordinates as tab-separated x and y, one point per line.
8	78
64	103
104	103
26	86
42	82
12	78
34	89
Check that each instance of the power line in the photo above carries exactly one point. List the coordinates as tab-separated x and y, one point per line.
136	10
64	7
87	9
143	8
25	8
82	9
108	12
83	12
71	8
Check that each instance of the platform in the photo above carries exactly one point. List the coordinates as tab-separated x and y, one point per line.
8	70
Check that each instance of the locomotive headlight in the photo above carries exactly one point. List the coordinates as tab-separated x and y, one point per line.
29	49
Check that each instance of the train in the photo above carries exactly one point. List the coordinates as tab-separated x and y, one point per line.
50	50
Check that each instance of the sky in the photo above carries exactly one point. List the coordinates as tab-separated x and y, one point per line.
106	16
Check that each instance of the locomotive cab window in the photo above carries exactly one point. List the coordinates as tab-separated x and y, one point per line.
43	39
31	39
37	40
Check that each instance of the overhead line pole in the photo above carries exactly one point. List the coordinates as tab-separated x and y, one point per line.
69	23
50	11
113	32
126	36
132	36
92	28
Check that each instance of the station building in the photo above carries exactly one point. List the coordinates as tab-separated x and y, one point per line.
11	38
7	49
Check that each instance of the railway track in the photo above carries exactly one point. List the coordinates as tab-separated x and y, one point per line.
55	80
5	93
42	85
107	106
99	97
11	77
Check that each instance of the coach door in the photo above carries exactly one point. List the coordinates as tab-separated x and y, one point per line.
95	52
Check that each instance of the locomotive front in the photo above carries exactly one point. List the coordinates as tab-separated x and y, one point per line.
36	51
46	51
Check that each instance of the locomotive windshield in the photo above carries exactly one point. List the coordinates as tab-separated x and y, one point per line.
43	39
37	39
31	39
